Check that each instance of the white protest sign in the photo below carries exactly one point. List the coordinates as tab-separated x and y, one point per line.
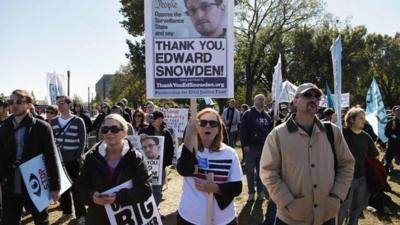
152	148
145	213
345	101
34	175
176	119
183	59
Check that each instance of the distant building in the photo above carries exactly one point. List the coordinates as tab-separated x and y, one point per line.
103	86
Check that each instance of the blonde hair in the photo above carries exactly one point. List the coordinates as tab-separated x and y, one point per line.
122	122
218	140
351	116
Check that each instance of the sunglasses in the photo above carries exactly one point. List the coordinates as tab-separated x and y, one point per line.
61	102
310	95
51	112
213	123
18	102
113	129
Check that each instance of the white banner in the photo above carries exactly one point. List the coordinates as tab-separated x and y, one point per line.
34	175
187	57
55	86
176	119
345	101
141	213
277	85
152	148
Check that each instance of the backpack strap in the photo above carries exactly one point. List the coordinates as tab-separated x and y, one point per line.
63	128
331	138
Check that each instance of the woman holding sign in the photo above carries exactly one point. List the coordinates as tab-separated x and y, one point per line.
213	159
108	164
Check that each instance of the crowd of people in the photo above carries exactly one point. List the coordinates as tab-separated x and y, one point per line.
311	171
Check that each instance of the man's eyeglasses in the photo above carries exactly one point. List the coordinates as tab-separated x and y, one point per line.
213	123
148	146
61	102
204	6
310	95
18	102
113	129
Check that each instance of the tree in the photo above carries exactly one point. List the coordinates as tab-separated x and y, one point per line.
260	22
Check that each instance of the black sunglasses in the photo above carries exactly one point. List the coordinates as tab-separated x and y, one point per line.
113	129
310	95
18	102
213	123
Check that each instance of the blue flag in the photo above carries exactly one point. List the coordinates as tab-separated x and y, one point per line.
329	98
375	112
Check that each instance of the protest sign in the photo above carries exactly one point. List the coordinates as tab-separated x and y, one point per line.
145	213
34	175
152	148
186	59
345	100
176	119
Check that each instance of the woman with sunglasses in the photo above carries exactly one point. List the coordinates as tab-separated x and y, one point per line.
213	159
139	120
108	164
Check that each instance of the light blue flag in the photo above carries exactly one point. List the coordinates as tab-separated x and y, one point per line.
329	98
336	52
375	112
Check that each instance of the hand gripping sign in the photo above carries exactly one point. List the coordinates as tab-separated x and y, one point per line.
145	213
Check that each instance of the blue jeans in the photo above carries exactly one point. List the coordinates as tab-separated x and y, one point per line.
280	222
157	189
356	201
253	169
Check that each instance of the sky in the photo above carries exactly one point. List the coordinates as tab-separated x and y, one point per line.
86	37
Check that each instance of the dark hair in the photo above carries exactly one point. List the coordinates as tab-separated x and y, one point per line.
67	99
53	108
24	94
218	2
328	112
144	137
117	107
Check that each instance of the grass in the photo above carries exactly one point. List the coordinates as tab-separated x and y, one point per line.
248	213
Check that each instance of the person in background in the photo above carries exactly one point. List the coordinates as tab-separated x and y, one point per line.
116	109
4	111
79	111
213	156
24	137
231	118
127	116
104	111
70	135
392	132
138	120
34	113
150	108
361	147
108	164
51	113
255	127
156	128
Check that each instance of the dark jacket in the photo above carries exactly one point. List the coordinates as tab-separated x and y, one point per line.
392	131
168	142
95	176
255	127
38	140
87	121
